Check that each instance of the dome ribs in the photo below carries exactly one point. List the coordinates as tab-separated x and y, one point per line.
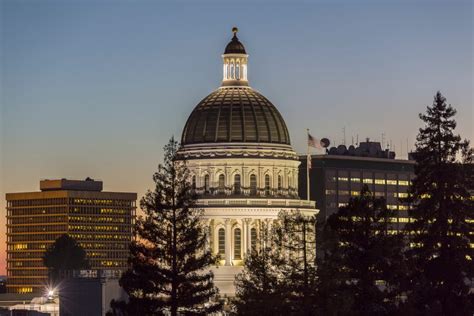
235	114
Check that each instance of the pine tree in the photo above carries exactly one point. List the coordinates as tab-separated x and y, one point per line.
259	285
443	216
168	256
363	263
279	276
295	238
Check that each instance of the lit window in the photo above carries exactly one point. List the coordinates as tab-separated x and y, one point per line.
355	193
329	192
237	244
379	181
368	181
392	182
343	192
221	236
403	182
343	179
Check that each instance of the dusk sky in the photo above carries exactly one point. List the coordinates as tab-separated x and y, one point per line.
96	88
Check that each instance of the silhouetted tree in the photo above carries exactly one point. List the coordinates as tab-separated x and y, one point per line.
65	254
443	214
168	257
295	238
259	285
362	261
279	276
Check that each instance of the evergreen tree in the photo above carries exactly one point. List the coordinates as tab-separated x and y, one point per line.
295	239
443	213
363	262
168	256
258	286
64	255
279	276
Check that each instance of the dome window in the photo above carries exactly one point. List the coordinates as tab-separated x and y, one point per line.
253	184
237	185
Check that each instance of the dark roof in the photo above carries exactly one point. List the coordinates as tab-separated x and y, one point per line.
235	114
235	46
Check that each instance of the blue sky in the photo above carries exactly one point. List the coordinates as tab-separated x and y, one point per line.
96	88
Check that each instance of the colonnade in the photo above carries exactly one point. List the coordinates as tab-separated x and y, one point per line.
249	232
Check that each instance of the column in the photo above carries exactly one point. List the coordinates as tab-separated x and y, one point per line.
209	235
248	240
228	241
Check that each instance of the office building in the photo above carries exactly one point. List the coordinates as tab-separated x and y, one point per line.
101	222
342	172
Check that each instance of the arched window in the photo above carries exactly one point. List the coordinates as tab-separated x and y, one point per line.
206	183
237	244
221	243
221	183
279	183
267	184
253	184
237	184
253	237
193	183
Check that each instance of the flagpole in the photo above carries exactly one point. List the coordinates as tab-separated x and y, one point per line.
307	164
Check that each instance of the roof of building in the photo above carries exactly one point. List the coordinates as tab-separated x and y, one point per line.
235	114
235	46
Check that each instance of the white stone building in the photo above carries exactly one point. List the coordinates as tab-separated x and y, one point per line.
243	167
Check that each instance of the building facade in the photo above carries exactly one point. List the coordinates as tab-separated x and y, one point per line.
101	222
243	167
340	175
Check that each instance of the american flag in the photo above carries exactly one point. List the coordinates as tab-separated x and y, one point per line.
313	142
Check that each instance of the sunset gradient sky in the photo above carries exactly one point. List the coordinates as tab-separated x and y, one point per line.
96	88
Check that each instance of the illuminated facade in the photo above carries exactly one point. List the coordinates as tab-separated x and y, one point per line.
101	222
242	165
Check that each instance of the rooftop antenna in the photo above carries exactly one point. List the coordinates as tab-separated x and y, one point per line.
352	141
357	141
344	134
383	139
407	147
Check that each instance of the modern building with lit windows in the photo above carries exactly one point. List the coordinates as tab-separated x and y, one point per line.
341	174
242	165
101	222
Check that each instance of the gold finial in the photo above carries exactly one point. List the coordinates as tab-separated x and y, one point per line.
235	30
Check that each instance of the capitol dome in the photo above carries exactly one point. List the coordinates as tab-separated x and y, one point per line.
241	165
235	113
